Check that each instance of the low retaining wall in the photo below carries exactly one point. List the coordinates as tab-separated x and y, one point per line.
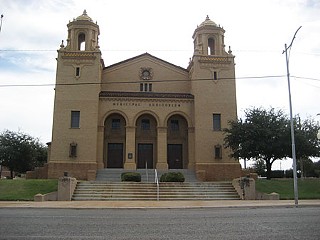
66	187
53	196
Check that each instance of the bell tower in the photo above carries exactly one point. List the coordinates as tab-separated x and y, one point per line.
209	39
82	34
212	74
78	79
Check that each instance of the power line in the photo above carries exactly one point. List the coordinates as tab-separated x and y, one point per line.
152	81
134	82
156	50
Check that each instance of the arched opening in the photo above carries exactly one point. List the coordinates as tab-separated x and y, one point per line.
211	47
114	141
82	42
177	140
146	141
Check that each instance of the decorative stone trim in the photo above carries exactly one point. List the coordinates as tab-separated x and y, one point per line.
146	73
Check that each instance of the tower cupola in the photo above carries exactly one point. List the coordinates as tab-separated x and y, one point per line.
209	39
83	34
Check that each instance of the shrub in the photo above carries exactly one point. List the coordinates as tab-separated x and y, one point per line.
277	174
172	177
130	177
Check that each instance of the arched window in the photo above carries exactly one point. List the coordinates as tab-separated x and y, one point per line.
211	48
82	42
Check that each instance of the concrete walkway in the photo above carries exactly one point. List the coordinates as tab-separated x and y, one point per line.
158	204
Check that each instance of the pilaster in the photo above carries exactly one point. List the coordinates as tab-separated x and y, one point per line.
130	158
162	163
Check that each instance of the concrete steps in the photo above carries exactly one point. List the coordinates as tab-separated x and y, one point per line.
127	191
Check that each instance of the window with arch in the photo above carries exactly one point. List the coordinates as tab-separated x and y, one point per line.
211	47
82	42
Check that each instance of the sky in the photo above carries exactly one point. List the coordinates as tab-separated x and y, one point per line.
256	31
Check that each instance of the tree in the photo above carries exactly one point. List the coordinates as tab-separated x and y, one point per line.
260	167
21	152
307	143
262	135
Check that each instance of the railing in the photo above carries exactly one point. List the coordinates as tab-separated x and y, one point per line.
147	171
156	180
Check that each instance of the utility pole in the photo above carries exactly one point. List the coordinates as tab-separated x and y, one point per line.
1	22
294	165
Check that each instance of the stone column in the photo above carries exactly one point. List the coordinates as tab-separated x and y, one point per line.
162	163
191	150
130	158
100	147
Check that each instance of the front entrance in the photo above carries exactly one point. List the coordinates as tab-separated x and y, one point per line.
145	156
175	156
115	155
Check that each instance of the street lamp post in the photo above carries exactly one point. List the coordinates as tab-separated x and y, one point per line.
318	135
294	165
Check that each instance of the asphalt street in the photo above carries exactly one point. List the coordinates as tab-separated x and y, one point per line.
193	223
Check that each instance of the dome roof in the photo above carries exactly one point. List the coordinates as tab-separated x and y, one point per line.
208	22
84	16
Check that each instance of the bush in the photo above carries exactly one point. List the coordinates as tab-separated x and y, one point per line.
277	174
130	177
172	177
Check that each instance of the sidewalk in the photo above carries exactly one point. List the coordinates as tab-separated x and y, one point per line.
158	204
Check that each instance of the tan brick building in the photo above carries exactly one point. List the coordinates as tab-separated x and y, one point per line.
143	110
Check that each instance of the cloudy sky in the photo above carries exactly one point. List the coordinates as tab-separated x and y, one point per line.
32	31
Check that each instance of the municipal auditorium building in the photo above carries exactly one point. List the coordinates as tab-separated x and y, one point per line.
144	111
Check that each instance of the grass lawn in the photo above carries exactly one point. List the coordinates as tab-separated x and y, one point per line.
307	188
24	190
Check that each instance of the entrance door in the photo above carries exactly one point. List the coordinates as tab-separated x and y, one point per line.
115	155
175	156
145	155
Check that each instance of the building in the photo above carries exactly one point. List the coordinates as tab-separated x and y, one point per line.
143	111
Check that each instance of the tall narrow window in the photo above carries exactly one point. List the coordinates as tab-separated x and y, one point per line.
75	119
217	151
73	150
211	48
77	71
82	42
216	122
141	87
215	75
150	87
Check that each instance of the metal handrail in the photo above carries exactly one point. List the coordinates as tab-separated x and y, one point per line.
147	171
156	180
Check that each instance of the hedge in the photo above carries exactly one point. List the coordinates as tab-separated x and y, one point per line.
172	177
130	177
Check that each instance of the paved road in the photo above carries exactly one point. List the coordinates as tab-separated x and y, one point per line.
208	223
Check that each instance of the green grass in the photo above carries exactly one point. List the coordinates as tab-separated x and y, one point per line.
307	188
24	190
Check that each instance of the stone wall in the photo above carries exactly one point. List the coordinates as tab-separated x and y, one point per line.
218	171
38	173
76	170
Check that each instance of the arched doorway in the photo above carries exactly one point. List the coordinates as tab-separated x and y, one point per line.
177	140
146	141
114	141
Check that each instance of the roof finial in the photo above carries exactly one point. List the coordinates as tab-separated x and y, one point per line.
207	18
84	12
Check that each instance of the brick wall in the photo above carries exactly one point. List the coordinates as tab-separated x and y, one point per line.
218	171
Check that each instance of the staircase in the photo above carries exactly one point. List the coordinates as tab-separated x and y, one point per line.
108	187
